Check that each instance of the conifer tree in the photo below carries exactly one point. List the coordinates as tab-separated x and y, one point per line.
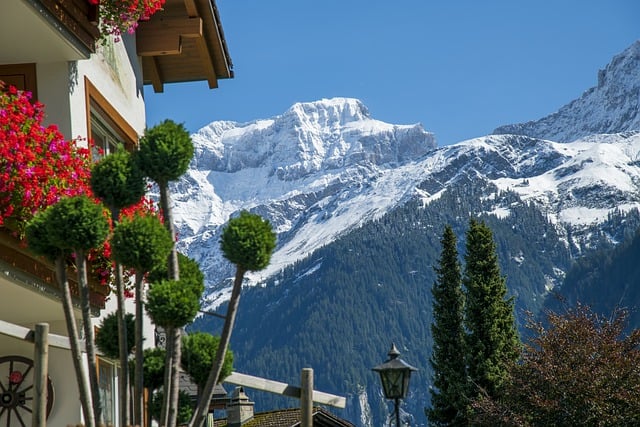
448	394
492	340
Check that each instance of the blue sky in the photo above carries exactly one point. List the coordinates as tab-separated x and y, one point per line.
459	67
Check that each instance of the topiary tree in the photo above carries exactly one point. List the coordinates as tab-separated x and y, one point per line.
172	303
108	336
37	234
78	224
198	352
142	243
119	183
248	242
164	155
75	225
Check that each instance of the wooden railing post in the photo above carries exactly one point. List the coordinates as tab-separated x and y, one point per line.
40	375
306	398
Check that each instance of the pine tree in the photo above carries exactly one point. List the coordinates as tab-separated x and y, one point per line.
448	394
492	339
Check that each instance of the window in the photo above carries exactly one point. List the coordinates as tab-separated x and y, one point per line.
22	76
105	139
107	385
105	126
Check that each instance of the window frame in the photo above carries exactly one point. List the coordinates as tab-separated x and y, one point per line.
98	107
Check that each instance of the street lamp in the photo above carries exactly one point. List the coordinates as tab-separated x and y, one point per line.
394	375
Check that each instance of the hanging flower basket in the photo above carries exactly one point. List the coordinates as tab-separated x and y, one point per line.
117	17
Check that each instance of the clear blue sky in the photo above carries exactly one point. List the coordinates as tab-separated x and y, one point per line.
461	68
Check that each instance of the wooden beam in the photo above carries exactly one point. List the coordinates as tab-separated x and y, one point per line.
190	5
206	57
163	36
207	63
26	334
152	72
283	389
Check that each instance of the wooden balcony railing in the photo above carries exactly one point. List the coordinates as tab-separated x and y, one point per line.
13	253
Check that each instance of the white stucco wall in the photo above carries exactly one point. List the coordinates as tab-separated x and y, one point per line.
116	73
114	70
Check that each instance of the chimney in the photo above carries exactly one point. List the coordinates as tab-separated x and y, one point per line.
239	408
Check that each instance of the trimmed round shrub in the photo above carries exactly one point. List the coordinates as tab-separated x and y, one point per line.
107	337
165	152
77	223
198	353
117	180
248	241
173	303
141	242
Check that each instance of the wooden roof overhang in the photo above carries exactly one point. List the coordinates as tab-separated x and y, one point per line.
183	42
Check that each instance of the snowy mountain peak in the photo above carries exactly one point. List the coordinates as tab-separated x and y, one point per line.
612	106
309	137
331	112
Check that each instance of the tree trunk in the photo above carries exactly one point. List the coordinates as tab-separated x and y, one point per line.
123	384
138	390
169	412
76	355
89	336
165	205
175	335
123	350
200	414
168	362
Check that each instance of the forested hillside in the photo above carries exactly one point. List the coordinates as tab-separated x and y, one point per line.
339	310
607	279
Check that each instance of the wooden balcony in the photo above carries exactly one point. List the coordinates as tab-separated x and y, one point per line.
39	274
34	31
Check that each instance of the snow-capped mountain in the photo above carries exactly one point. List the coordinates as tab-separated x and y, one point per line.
317	170
612	106
323	168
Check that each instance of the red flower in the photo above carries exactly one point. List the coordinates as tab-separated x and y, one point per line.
122	16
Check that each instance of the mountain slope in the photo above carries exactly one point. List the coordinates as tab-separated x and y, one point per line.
359	207
314	172
613	106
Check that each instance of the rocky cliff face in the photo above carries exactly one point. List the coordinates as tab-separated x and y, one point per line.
612	106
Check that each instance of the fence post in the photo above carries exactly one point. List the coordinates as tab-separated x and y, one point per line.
40	375
306	398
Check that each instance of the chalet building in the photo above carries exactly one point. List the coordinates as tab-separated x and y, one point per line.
91	87
240	414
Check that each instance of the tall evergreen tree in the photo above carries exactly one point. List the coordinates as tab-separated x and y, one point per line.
448	394
492	338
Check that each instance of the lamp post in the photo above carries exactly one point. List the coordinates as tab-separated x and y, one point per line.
394	375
